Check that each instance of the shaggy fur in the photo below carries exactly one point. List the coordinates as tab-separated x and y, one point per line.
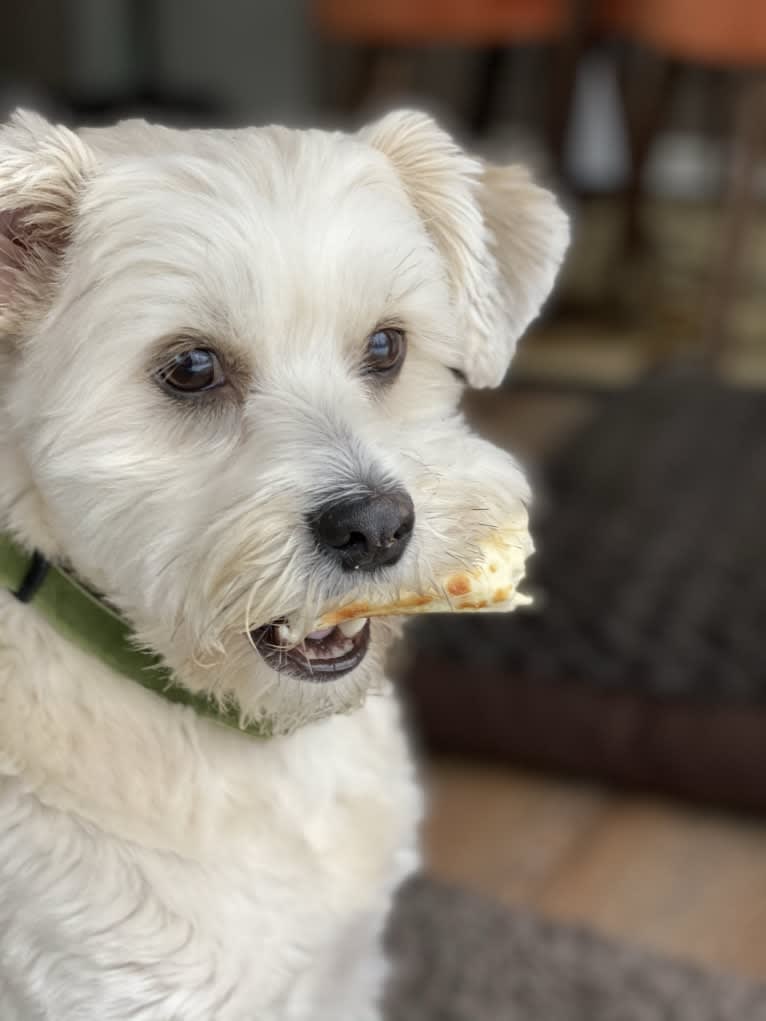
154	865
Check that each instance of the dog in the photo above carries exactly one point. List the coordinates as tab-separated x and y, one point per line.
231	364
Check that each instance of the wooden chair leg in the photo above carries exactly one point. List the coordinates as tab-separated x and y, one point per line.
480	116
739	209
644	117
378	72
568	54
359	81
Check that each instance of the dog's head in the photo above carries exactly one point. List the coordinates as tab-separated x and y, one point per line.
231	364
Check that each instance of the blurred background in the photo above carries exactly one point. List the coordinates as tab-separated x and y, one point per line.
601	758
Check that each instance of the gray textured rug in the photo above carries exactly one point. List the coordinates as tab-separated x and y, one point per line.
458	957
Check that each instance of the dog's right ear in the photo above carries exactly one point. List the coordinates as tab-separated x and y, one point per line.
43	169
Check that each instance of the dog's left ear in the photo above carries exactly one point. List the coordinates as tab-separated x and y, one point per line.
502	237
43	168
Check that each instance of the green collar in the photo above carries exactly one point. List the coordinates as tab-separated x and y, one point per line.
91	624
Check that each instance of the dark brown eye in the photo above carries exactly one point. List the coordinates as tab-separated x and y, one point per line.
385	353
192	372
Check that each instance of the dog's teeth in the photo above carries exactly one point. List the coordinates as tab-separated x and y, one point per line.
284	635
352	627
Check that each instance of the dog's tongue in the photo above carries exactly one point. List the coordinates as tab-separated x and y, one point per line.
318	635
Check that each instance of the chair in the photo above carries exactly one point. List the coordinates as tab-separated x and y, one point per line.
716	34
379	31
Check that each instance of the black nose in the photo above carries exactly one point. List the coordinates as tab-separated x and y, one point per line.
367	533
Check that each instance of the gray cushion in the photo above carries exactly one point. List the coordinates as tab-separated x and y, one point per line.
644	662
459	957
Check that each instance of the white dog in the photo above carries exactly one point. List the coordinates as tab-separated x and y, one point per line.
230	365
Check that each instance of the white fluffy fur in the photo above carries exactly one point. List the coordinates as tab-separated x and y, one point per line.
154	865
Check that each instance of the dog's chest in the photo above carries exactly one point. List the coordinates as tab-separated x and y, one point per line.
278	918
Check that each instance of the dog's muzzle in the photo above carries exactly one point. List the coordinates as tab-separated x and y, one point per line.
323	655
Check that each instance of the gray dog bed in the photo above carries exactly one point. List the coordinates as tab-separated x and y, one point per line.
458	957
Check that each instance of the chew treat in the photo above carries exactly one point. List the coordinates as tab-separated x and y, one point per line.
489	585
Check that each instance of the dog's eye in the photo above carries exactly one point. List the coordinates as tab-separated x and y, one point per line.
192	372
385	353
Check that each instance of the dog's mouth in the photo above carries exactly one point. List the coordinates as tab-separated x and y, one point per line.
323	655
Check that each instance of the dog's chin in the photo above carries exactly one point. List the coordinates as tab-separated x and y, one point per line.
321	656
